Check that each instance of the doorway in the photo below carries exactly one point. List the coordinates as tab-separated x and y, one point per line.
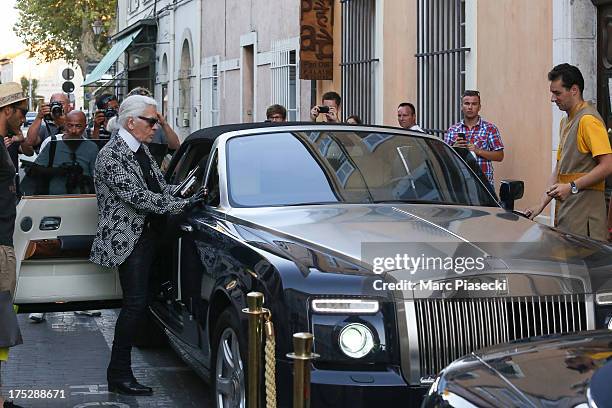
604	70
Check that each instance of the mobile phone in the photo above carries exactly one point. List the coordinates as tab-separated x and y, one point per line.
461	136
323	109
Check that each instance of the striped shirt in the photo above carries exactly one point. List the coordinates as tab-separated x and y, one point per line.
484	135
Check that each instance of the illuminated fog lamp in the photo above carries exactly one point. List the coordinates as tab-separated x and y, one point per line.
603	298
356	340
345	306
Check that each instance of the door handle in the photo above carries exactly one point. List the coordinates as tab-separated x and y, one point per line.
186	228
50	223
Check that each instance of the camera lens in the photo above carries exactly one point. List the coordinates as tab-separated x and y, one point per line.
56	108
110	112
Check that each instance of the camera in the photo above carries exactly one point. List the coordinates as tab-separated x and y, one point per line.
323	109
110	112
57	109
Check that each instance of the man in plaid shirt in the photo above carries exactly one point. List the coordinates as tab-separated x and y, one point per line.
481	137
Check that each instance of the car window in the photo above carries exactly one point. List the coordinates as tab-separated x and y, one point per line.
350	167
60	168
212	183
196	155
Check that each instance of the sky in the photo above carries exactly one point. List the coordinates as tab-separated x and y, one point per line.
9	41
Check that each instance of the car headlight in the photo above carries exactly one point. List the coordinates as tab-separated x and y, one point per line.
356	340
345	306
604	314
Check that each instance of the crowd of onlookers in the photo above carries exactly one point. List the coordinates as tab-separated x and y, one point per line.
473	134
584	156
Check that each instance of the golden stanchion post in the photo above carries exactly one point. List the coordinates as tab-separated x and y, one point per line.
255	311
302	344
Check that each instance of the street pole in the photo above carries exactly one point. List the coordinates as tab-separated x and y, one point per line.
30	85
301	356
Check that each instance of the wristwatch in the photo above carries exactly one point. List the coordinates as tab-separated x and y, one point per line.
574	188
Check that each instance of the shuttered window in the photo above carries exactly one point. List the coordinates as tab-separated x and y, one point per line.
285	84
441	53
210	92
358	59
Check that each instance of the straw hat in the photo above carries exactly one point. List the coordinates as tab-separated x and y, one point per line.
10	93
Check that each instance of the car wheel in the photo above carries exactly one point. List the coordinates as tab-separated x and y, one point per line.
229	349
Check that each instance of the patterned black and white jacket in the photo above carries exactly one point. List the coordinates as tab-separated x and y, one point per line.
124	201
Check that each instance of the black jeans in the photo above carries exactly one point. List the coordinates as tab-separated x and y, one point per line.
134	275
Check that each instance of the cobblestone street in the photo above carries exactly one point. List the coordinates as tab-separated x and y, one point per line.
69	353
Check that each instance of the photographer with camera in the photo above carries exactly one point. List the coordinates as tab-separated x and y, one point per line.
108	107
330	108
66	161
50	119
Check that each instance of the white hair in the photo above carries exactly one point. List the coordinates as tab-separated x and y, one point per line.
134	106
112	124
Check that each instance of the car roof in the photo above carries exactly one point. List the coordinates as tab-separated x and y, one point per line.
212	133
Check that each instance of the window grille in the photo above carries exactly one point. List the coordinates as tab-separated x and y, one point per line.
358	58
284	78
440	58
210	88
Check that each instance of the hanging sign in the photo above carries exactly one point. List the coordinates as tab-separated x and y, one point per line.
316	39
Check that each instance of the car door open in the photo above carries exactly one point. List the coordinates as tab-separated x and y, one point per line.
54	233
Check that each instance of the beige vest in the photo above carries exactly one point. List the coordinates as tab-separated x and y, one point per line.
583	213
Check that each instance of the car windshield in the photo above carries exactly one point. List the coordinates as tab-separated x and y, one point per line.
350	167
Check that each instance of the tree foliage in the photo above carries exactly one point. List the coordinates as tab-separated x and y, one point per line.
61	29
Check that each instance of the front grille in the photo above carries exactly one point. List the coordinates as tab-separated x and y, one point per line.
451	328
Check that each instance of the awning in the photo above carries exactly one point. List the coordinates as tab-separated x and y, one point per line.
109	59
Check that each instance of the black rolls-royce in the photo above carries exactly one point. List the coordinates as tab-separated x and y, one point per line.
314	217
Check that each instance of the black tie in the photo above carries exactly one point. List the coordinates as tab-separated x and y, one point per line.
147	171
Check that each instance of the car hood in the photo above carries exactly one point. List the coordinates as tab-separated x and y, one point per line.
511	244
513	375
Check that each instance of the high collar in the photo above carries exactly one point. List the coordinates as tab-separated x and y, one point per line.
130	140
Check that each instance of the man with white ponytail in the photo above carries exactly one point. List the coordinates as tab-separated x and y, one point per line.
131	194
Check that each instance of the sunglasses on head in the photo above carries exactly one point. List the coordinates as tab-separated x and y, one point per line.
151	121
471	93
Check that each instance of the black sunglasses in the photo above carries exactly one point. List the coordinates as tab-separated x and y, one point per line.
151	121
471	93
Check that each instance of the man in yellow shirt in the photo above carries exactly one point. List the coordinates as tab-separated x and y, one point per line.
584	160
